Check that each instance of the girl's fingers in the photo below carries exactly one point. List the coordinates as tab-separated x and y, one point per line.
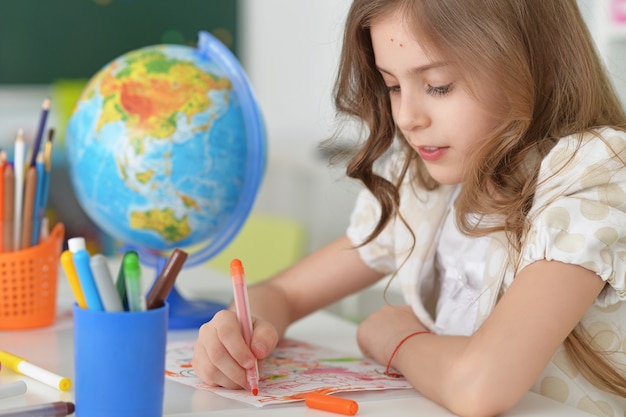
208	372
264	339
220	352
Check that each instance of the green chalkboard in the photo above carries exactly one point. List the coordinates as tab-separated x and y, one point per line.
42	41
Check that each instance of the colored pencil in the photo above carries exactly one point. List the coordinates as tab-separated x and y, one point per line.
44	233
3	162
9	207
30	189
18	172
47	161
45	108
39	210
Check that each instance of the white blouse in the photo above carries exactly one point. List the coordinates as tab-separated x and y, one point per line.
578	217
460	263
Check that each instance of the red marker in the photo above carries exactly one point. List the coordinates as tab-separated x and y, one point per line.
243	315
332	404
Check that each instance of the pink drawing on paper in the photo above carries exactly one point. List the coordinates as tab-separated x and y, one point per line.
293	370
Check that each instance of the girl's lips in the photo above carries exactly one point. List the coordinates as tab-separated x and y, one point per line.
432	153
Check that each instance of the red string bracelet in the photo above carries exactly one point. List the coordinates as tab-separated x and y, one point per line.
387	369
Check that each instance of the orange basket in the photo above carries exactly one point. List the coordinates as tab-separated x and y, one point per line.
28	283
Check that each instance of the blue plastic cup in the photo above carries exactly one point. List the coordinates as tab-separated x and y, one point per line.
119	362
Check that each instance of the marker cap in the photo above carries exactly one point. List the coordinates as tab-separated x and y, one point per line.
10	360
131	263
65	384
332	404
236	268
75	244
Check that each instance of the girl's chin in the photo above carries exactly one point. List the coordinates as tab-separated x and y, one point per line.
449	176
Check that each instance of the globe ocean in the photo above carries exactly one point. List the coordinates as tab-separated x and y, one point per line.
157	148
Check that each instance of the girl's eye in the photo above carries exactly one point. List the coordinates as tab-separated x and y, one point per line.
439	90
392	89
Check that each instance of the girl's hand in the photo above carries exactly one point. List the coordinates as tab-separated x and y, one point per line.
221	356
380	333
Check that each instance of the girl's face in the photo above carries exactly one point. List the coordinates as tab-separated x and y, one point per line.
431	106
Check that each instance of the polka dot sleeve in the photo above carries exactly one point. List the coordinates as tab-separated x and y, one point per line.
378	254
579	212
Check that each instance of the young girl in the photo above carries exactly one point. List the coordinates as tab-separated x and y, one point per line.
495	192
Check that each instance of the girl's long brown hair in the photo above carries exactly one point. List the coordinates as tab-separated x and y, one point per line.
533	64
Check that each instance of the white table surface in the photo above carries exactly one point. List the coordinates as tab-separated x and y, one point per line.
52	348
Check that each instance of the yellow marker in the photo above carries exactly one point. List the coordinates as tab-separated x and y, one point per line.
70	271
23	367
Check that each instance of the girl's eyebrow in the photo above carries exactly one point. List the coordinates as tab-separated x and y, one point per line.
418	70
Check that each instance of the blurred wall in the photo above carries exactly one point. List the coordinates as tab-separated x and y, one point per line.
290	50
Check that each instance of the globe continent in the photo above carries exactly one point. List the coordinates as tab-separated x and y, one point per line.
157	148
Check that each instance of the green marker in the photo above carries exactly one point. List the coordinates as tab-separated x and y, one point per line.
120	282
132	275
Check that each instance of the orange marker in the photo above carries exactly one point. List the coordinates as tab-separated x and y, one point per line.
332	404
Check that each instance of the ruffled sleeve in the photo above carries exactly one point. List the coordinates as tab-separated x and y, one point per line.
579	212
380	253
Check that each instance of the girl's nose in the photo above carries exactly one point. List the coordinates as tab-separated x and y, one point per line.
411	114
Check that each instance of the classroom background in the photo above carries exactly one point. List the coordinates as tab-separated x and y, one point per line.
289	49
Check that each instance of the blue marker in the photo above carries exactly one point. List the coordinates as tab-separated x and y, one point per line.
81	259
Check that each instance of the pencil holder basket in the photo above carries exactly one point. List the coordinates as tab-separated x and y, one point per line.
28	283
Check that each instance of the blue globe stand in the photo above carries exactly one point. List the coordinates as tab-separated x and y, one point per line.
184	313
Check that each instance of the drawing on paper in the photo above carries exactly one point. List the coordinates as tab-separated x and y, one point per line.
293	370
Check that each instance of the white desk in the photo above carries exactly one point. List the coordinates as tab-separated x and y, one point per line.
52	348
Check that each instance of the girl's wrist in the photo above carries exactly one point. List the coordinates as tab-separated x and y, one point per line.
389	371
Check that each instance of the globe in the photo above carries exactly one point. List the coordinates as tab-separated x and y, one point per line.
166	149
